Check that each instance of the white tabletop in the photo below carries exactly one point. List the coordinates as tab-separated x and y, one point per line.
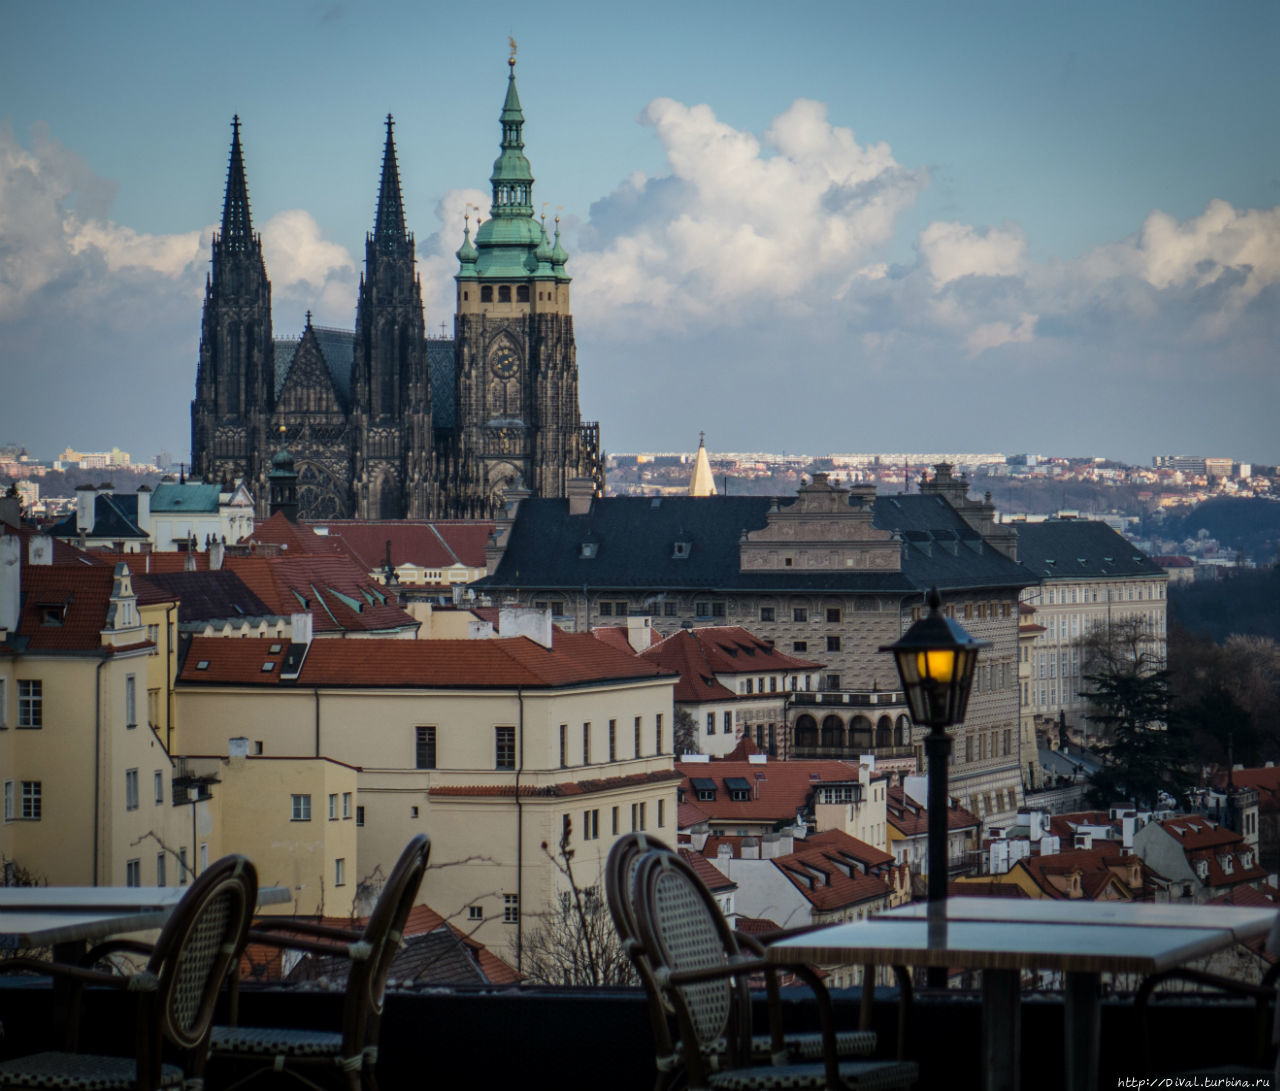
48	915
1248	922
1001	945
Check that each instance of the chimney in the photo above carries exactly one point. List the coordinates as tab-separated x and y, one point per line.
10	582
638	629
300	627
144	509
523	621
217	552
581	491
86	503
40	549
11	508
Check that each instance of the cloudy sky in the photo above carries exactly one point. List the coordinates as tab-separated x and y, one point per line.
819	227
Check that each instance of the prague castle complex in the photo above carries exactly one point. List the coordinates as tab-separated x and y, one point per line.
386	423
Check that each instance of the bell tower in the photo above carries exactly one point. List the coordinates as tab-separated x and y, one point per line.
517	417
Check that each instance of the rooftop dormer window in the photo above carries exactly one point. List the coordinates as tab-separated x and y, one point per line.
681	549
589	550
53	613
704	789
739	789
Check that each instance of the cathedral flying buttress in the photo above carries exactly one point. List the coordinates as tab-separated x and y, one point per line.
383	421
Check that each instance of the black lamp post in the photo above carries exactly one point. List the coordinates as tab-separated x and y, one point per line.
935	659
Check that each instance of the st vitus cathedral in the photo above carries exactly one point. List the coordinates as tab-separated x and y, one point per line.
386	422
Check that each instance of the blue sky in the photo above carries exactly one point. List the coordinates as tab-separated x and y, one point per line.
818	226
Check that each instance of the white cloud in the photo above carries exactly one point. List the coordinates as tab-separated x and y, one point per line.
739	224
992	335
954	250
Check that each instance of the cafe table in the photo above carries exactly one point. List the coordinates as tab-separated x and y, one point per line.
1003	937
68	918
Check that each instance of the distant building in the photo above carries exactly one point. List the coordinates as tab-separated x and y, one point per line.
1201	859
1089	577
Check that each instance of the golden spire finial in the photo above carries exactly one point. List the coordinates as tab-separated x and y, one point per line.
512	43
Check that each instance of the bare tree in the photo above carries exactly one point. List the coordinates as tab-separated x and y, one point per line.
574	943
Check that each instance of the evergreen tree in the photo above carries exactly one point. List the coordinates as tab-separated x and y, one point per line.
1148	751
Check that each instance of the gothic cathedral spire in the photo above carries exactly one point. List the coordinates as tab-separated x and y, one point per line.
390	388
389	230
237	227
235	377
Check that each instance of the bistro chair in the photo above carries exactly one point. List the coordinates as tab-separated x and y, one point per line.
349	1056
1258	1062
702	973
620	870
188	964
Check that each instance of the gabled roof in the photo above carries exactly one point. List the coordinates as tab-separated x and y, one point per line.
616	636
778	789
1080	549
702	653
712	877
434	952
1206	843
828	875
78	595
636	535
575	659
912	820
338	593
115	516
63	552
294	537
1102	870
436	543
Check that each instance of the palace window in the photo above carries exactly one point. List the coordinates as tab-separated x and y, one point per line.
504	740
424	756
30	703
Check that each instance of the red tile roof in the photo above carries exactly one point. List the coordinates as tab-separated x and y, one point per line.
1101	870
165	563
1064	825
912	820
701	654
1266	781
1205	842
827	873
264	962
426	543
63	552
332	587
778	789
574	659
687	814
78	594
616	636
712	877
294	537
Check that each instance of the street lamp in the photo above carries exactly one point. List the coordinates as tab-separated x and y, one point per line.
935	659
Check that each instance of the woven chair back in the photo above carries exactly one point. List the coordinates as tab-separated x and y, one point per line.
682	929
382	937
202	940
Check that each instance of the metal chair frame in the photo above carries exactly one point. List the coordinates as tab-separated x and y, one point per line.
370	950
186	968
702	973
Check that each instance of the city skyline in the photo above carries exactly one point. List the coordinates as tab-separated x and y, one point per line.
1060	228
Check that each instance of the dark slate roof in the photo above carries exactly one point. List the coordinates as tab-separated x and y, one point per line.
114	516
441	365
635	535
1080	549
209	596
339	349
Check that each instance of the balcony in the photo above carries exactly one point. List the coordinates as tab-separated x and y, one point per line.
504	1037
845	753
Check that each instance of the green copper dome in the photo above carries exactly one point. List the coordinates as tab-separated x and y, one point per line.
507	244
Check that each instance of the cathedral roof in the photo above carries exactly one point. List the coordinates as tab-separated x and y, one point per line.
237	226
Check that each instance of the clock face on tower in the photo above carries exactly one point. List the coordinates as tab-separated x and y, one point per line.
504	362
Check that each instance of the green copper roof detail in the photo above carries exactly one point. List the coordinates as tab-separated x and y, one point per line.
511	107
559	255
